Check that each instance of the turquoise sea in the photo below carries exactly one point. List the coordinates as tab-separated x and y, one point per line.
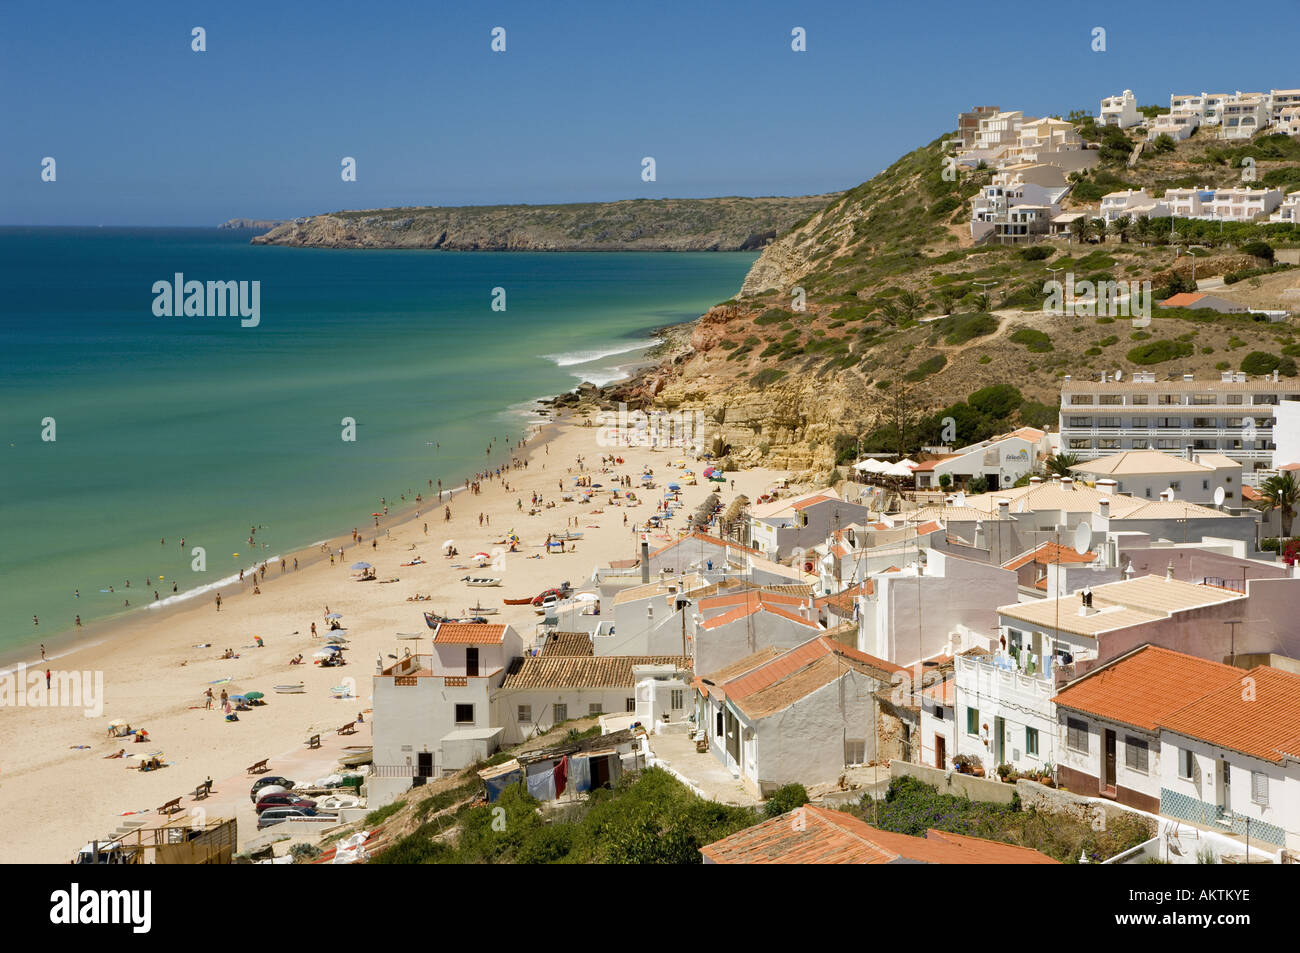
196	427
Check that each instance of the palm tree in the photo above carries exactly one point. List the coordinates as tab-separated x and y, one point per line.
1082	229
1059	465
1281	493
1121	227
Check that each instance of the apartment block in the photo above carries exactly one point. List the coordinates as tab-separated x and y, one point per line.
1232	416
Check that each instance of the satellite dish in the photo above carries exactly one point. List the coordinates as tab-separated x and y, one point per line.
1119	375
961	498
1218	496
1082	538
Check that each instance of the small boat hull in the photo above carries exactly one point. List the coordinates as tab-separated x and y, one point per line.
481	581
357	758
291	689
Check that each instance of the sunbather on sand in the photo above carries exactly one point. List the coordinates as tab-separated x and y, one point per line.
121	753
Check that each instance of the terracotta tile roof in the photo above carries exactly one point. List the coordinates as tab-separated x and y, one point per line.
1250	493
817	835
1049	554
1260	718
705	537
1144	687
717	678
843	600
750	596
752	608
469	633
1183	299
813	501
605	671
567	643
776	684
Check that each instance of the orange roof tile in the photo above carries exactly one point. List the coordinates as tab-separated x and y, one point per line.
750	608
469	633
1184	299
1259	717
817	835
1049	554
705	537
1145	686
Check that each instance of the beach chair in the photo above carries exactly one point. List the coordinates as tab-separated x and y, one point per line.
259	767
171	806
203	790
313	741
348	729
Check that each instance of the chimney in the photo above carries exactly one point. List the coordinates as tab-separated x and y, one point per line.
1103	507
1167	494
1004	508
645	559
1275	375
1169	572
1107	486
1189	452
1035	480
1067	483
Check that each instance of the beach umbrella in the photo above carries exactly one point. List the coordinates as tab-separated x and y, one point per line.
323	654
221	681
117	723
334	615
674	486
362	566
586	597
239	698
253	696
449	544
376	514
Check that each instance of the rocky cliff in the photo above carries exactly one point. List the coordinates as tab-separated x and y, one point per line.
721	224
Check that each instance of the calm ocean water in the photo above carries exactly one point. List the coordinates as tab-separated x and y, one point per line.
196	427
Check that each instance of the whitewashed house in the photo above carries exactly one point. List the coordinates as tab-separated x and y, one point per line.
1120	111
1108	722
433	713
795	716
731	627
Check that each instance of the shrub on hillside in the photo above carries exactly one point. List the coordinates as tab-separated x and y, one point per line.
1157	352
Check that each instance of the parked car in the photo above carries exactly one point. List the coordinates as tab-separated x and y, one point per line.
277	815
267	782
556	594
283	800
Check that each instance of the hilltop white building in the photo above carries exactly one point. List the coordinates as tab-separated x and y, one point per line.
1121	110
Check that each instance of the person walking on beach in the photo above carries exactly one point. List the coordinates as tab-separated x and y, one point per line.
173	587
47	679
218	602
313	630
225	698
78	626
208	696
446	514
295	562
37	623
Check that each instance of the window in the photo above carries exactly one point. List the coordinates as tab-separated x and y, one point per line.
938	711
594	708
972	721
525	714
1135	754
630	705
1233	399
1111	399
1081	398
464	714
1031	741
1077	444
1076	735
677	702
1186	763
1080	421
1140	423
1108	443
1259	788
1140	399
1110	422
855	750
561	713
1175	485
718	729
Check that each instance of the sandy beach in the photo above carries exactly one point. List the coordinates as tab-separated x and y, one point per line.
155	668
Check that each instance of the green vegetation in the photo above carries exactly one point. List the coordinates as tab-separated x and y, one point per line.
785	799
649	818
913	807
931	365
960	328
1037	341
1157	352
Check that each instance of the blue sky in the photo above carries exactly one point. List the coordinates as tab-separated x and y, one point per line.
147	132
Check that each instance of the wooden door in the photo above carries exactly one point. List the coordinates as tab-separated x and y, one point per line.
940	751
471	661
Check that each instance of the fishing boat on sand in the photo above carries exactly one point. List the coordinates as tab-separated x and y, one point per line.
297	689
526	601
355	757
482	610
482	580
